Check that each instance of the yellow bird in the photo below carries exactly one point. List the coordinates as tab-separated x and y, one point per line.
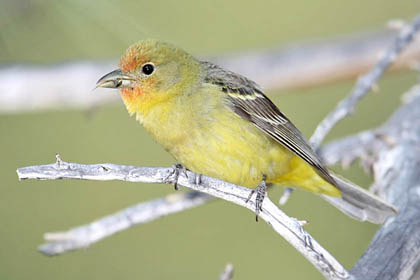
219	123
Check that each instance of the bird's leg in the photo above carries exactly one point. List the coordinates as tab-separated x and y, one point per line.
261	191
177	169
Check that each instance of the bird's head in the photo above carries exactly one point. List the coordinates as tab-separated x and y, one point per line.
151	72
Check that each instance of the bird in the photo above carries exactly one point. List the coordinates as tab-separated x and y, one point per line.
221	124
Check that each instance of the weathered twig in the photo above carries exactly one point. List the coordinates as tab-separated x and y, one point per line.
360	145
69	85
287	227
84	236
392	154
366	83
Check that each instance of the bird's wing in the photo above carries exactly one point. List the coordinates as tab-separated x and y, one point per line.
246	99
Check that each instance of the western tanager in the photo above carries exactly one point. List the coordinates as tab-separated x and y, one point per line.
219	123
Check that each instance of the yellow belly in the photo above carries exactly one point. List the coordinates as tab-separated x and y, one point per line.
235	151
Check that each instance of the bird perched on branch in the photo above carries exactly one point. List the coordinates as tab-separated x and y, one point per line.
219	123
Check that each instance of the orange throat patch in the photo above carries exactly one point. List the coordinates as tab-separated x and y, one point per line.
132	98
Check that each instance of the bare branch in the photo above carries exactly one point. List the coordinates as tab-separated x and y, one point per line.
392	154
365	83
361	145
287	227
70	85
84	236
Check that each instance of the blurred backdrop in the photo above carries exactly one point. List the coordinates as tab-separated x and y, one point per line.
198	243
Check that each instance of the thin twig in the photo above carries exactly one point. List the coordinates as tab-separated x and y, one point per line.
355	146
287	227
86	235
365	83
367	144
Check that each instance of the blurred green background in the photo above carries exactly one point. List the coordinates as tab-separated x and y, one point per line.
198	243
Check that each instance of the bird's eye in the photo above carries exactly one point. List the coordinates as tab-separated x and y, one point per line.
148	69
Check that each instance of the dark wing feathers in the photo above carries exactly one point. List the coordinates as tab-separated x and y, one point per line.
228	80
246	99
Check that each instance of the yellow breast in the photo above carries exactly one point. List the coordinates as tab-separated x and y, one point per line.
207	137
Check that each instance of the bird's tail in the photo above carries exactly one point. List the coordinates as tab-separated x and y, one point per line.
359	203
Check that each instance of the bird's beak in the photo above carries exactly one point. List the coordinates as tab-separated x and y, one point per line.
114	79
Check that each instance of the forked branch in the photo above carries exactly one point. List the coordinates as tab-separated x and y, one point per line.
366	83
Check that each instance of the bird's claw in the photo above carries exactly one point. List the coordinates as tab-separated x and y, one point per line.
174	176
261	191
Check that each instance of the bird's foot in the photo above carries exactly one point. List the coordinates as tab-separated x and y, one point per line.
173	177
178	168
261	191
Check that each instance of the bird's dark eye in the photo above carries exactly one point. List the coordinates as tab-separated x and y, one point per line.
148	69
